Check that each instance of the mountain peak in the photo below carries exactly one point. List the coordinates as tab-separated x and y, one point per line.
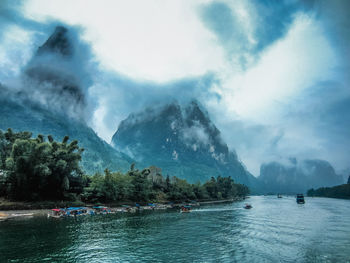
57	75
182	140
58	42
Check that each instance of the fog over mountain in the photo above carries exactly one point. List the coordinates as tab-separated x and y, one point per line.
182	140
272	75
297	176
49	99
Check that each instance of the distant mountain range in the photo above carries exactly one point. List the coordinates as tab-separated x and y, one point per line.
180	139
297	176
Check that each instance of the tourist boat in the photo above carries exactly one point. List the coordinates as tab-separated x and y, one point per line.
248	206
76	211
57	213
101	210
127	209
185	209
300	199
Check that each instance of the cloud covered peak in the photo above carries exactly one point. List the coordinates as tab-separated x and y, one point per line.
58	42
58	75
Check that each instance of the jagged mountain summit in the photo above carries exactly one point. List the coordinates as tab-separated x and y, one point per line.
51	101
182	140
298	176
58	42
58	75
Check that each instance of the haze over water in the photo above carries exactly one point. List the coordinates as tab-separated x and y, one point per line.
275	230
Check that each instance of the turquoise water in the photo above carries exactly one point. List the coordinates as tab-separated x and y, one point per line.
275	230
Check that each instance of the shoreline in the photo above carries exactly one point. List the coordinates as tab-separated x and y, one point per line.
13	209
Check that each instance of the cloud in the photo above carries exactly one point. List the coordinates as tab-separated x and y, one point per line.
246	28
196	133
10	14
334	16
47	77
292	102
60	73
129	95
156	41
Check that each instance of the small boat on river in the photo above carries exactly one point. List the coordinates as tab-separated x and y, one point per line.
70	211
300	199
248	206
185	209
57	213
101	210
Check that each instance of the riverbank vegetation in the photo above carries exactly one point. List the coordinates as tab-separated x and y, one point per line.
339	191
40	169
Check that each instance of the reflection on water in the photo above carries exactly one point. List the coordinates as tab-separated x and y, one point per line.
275	230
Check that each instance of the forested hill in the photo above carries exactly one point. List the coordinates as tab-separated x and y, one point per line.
339	191
25	115
183	141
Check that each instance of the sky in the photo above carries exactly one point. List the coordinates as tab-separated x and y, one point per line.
273	75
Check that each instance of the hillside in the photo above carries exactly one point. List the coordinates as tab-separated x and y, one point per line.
97	156
49	98
339	191
182	140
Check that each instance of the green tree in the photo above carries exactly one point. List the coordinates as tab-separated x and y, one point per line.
37	170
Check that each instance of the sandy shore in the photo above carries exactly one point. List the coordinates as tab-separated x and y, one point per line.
22	213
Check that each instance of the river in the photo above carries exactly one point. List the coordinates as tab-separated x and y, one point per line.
274	230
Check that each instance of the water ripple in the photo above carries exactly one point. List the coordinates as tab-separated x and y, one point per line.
274	230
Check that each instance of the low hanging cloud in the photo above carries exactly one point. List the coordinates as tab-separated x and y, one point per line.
133	96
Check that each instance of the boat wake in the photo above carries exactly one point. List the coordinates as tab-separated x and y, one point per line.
215	209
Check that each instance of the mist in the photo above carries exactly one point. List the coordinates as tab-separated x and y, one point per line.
274	78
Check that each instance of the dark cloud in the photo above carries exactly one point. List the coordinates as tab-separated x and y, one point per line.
326	108
270	20
11	14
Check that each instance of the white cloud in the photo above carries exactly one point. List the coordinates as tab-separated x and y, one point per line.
154	40
285	69
14	48
258	100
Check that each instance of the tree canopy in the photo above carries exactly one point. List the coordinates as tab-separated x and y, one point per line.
36	169
147	185
339	191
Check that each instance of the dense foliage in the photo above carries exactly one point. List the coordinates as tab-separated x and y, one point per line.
339	191
148	185
33	169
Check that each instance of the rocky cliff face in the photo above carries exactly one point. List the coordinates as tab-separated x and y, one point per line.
297	176
182	140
